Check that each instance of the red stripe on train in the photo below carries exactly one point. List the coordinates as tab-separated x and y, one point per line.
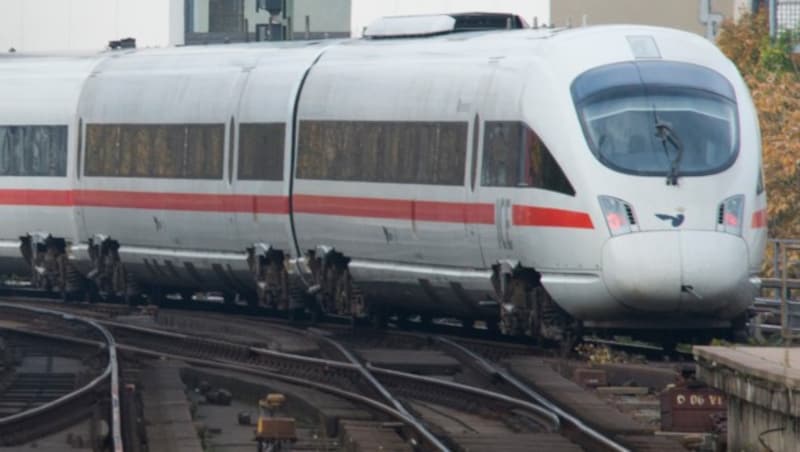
58	198
759	219
183	201
451	212
397	209
544	216
434	211
146	200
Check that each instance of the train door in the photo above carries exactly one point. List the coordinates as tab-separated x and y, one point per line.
519	181
494	190
260	177
474	210
480	214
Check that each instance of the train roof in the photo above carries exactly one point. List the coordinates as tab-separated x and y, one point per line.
572	48
525	37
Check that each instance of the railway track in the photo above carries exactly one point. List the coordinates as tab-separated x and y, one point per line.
346	376
195	339
491	344
31	389
48	402
403	384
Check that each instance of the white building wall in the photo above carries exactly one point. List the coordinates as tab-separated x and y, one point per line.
324	15
253	17
365	11
85	25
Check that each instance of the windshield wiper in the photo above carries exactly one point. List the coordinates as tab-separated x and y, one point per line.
666	134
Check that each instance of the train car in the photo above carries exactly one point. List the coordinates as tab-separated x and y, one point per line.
539	180
37	162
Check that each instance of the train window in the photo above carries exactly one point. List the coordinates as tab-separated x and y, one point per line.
392	152
261	148
204	159
514	156
658	118
155	151
33	151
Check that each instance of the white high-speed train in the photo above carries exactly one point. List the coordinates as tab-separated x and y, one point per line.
539	179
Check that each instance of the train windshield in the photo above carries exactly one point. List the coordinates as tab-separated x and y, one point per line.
658	118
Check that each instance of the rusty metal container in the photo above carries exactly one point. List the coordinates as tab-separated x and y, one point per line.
590	378
691	409
276	429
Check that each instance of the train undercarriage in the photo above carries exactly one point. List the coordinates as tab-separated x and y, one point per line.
526	309
326	287
523	307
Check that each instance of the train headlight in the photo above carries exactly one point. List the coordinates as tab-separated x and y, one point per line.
618	215
730	215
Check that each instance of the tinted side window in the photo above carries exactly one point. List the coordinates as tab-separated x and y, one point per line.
159	151
514	156
33	151
261	148
392	152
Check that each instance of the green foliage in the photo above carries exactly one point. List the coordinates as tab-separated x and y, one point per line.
775	87
775	55
743	41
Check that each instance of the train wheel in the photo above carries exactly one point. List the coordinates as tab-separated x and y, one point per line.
425	320
316	315
293	315
333	287
252	302
739	332
91	293
299	301
229	298
155	296
514	286
570	338
377	318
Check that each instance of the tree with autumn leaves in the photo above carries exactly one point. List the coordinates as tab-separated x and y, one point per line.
774	83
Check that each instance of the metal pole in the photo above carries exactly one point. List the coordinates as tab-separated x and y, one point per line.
776	264
308	27
784	296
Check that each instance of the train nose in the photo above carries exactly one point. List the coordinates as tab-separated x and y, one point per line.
678	271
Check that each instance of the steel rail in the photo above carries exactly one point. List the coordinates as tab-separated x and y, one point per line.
471	390
255	370
540	399
431	381
367	375
331	364
111	374
259	370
